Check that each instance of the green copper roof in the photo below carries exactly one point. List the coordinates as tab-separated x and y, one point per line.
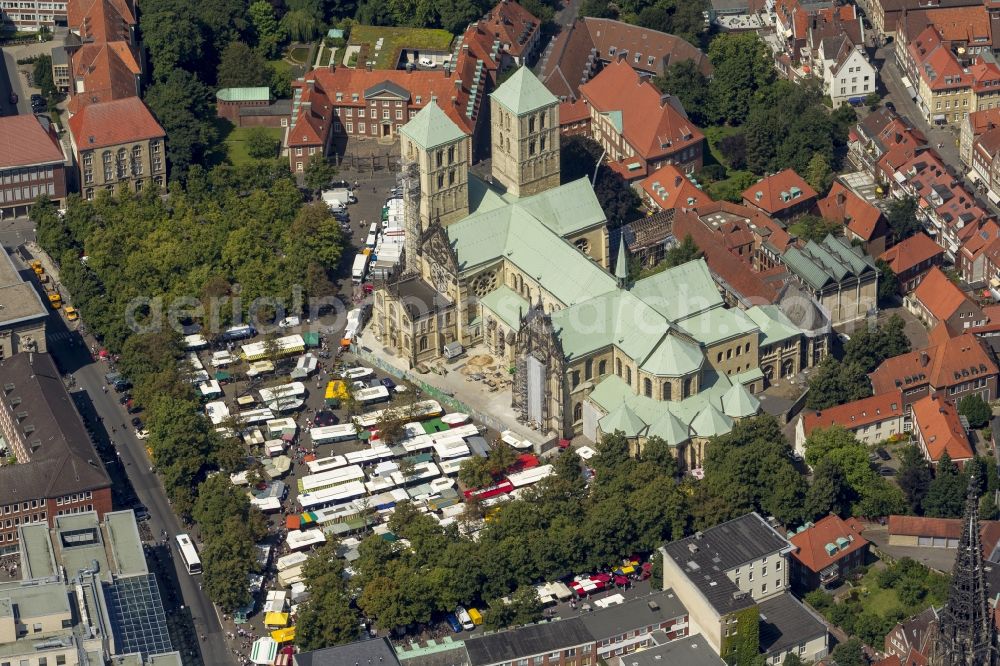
718	324
674	357
831	260
739	402
616	119
711	422
622	419
262	94
431	128
612	390
681	291
507	304
567	209
670	429
523	93
774	325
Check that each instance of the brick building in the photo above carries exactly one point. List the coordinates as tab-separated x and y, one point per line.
826	552
937	300
58	471
911	259
252	107
32	163
641	129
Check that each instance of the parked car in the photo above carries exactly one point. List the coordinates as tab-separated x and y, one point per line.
142	433
388	383
141	512
137	423
289	322
882	453
887	471
340	185
453	623
427	62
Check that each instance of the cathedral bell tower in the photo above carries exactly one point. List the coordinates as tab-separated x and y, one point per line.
439	149
524	127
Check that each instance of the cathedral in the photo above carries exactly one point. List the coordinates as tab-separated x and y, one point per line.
966	631
520	266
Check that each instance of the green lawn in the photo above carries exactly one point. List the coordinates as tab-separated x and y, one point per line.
395	40
299	54
235	143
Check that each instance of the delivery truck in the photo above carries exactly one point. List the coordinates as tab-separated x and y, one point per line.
360	268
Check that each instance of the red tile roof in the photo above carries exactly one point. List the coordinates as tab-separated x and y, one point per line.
955	361
571	113
936	420
113	123
843	205
734	270
569	59
811	544
670	188
959	24
24	142
980	121
651	125
101	20
106	71
313	120
513	25
857	414
939	528
911	252
940	296
766	194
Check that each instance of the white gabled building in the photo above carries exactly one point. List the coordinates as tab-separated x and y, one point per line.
847	74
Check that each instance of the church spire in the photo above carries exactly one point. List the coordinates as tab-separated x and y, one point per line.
621	263
966	633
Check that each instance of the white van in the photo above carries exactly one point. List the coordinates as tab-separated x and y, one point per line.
464	619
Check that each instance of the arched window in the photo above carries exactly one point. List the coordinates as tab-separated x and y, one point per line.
668	389
688	386
578	411
602	368
618	367
423	343
588	369
628	375
647	387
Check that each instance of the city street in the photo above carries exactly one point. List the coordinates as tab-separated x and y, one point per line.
943	139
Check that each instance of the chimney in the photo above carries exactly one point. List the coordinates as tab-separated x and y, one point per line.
311	84
368	66
458	84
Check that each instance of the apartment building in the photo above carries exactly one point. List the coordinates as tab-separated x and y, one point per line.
32	164
871	419
58	471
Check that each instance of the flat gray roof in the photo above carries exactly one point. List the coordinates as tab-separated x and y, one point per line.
37	558
18	299
634	614
690	651
125	544
526	641
785	622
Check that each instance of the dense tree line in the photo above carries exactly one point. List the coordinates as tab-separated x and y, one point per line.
771	124
838	381
564	526
684	18
579	157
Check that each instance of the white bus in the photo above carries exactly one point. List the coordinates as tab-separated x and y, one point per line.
189	554
418	411
344	432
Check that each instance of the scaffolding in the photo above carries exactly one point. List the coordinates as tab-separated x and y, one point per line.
409	181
